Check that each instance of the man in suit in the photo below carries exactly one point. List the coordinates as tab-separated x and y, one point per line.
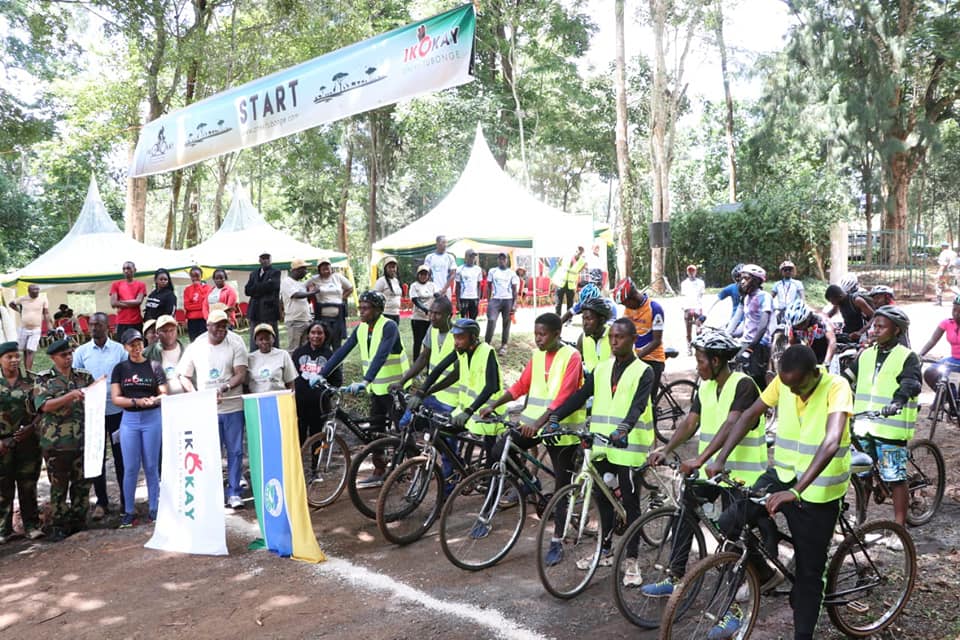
263	289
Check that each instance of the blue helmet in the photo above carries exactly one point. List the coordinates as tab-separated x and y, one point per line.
589	292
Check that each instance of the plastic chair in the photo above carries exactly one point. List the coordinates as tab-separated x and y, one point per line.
181	317
84	323
242	320
112	324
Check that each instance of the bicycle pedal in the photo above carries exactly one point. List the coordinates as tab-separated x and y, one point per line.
858	607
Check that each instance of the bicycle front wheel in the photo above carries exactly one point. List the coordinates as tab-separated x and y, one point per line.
672	403
720	590
870	578
480	523
410	501
368	470
325	466
926	477
645	569
568	542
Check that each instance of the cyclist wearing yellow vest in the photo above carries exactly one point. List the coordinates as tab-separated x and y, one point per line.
551	376
888	380
594	343
809	477
474	369
436	346
621	390
723	396
567	277
382	357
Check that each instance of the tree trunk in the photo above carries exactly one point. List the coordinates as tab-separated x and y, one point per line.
658	134
731	148
136	201
223	174
868	210
169	238
625	246
901	171
344	199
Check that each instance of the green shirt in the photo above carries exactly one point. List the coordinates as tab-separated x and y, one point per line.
62	429
16	406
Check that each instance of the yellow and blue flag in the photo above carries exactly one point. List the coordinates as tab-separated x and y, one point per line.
276	472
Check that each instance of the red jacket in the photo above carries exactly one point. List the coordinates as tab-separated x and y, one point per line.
195	300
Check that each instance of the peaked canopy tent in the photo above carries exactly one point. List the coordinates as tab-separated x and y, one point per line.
488	211
90	257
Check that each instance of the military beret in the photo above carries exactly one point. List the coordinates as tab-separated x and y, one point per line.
58	347
7	347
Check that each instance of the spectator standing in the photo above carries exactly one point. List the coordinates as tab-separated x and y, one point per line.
19	446
567	277
162	301
309	360
422	293
126	296
691	293
468	278
330	303
388	285
443	266
502	288
34	310
167	351
218	360
58	395
296	304
222	293
263	289
136	386
595	266
98	357
269	368
522	289
195	303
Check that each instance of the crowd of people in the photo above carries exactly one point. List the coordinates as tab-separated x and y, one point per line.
617	362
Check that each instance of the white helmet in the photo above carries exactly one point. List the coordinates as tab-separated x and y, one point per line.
850	283
755	271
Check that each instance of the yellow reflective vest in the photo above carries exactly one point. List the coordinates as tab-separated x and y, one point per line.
395	364
875	390
748	460
544	388
473	378
596	351
451	395
611	406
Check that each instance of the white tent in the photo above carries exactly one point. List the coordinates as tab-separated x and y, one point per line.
490	212
244	235
90	257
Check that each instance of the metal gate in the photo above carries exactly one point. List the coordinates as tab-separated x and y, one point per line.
898	259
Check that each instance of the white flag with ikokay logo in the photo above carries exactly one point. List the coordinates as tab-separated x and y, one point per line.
190	518
94	412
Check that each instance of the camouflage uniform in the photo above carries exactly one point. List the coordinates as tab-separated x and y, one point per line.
20	463
61	438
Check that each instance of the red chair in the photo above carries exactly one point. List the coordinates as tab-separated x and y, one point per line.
242	320
542	291
181	317
84	323
112	324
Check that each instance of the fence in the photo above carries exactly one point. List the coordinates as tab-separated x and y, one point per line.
898	259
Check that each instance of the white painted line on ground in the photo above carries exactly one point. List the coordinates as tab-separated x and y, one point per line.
490	618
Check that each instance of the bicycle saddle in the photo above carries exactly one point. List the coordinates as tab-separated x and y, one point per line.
670	352
859	461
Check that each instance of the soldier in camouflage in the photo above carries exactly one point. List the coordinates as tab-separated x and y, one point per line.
58	394
19	446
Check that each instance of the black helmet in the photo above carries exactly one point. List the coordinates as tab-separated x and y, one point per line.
597	306
718	343
466	325
374	298
894	315
735	274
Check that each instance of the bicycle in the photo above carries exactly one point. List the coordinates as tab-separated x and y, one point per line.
945	402
868	581
574	510
926	478
413	494
480	522
671	403
326	456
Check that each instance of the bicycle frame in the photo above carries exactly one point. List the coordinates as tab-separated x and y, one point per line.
943	394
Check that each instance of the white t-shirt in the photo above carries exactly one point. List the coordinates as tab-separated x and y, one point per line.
946	257
469	279
331	291
440	264
168	361
785	292
691	292
424	294
502	281
294	309
392	293
270	371
214	365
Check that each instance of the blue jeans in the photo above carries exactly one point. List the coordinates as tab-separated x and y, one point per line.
231	438
141	433
430	403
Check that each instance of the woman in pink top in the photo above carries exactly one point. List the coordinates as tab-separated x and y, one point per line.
222	293
951	327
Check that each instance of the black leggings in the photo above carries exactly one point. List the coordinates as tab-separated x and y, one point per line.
629	497
420	328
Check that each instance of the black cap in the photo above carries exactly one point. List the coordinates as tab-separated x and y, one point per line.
59	346
7	347
130	335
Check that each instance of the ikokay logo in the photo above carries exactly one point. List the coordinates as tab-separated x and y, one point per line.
427	44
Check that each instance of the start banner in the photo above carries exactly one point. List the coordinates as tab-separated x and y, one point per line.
425	56
190	518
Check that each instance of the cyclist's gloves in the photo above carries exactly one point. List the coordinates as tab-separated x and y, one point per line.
460	419
551	427
356	388
316	381
619	437
891	409
413	402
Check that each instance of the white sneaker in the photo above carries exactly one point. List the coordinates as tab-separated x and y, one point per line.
606	560
774	581
35	534
892	542
234	502
631	573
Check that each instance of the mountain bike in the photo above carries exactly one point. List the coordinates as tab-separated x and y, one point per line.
413	494
483	517
671	403
869	579
926	478
945	405
326	455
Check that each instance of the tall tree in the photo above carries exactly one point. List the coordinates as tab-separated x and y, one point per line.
625	191
715	19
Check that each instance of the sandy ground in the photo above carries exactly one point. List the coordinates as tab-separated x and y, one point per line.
102	583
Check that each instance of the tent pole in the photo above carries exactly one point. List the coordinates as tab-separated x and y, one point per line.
535	267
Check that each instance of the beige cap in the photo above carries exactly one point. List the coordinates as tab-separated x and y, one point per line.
218	306
297	263
148	324
166	319
263	326
217	315
423	268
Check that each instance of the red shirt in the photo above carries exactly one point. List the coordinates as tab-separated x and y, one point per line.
195	300
128	291
572	378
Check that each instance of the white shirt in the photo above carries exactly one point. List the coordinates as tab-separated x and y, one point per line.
440	264
502	281
294	309
691	290
469	279
270	371
423	293
214	365
786	291
946	257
